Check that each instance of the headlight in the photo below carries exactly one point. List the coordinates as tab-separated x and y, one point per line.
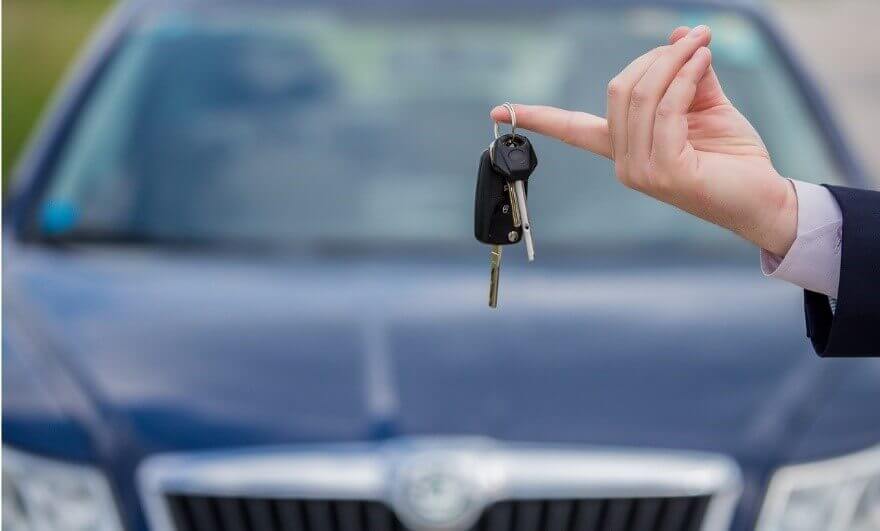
42	494
841	494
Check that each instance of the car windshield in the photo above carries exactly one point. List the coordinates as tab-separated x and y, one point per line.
295	126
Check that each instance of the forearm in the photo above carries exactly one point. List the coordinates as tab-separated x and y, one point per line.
763	211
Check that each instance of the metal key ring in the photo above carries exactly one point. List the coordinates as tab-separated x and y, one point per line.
509	107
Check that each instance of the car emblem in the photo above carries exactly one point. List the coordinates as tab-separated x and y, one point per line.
438	492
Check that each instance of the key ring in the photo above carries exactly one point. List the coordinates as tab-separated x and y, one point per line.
509	106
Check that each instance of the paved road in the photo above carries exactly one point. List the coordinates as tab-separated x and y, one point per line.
840	40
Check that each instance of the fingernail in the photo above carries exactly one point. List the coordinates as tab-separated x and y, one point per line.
699	31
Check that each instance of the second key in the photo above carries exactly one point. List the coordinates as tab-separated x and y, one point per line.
514	159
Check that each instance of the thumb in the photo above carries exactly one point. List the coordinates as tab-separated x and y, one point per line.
709	92
579	129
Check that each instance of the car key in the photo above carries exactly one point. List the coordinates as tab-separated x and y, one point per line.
493	218
514	158
500	201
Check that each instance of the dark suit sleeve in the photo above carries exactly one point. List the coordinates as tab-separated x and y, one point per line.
853	328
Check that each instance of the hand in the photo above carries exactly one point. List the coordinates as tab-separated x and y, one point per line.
674	135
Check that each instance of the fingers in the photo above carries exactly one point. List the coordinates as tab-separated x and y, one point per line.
678	33
670	123
619	91
648	92
709	92
628	132
576	128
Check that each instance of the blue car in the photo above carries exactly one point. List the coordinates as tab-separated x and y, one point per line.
242	290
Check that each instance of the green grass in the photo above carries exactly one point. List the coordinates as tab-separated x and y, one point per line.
40	39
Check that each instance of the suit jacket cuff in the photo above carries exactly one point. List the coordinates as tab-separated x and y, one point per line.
853	329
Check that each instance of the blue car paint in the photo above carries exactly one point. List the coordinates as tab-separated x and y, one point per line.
114	354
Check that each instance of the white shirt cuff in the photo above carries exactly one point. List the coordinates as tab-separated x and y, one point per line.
813	262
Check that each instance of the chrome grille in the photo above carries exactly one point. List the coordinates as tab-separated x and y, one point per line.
200	513
439	484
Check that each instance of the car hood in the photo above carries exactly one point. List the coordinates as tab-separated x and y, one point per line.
183	352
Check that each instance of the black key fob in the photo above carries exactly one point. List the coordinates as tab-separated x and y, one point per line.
493	216
514	158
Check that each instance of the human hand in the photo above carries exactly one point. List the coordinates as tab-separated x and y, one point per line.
674	135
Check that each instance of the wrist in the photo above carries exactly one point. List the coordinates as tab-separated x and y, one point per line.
779	229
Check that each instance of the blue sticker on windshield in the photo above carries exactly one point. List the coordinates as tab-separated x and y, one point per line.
58	217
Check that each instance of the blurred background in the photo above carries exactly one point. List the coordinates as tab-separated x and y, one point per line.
252	233
41	36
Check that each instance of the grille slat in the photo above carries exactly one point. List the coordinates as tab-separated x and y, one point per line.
179	511
348	513
379	517
319	516
698	513
499	517
203	513
646	514
618	515
231	514
559	515
290	515
260	515
587	515
527	516
674	514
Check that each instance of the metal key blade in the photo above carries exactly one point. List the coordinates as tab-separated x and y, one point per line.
494	275
524	217
514	205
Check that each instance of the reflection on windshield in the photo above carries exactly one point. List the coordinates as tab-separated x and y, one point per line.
301	127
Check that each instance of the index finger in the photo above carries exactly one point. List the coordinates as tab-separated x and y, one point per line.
579	129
